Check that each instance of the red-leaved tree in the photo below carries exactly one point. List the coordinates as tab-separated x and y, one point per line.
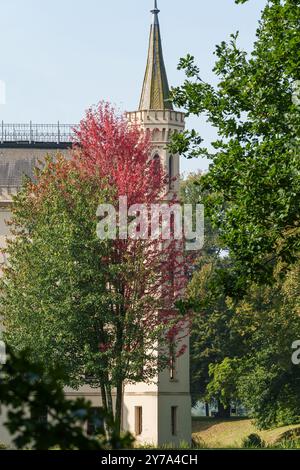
151	274
107	305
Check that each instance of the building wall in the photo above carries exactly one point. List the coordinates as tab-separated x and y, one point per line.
163	393
183	432
14	163
161	125
150	414
5	437
160	395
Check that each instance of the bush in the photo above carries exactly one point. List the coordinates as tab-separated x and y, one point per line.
253	441
26	390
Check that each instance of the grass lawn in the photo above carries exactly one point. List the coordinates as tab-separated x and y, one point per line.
214	433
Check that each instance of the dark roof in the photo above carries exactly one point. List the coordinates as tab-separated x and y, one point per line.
13	172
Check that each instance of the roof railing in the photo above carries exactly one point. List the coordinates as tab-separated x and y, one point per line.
37	133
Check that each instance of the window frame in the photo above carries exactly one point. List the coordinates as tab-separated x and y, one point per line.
138	416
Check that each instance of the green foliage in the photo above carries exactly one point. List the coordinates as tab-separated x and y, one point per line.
267	322
254	177
26	390
252	196
191	192
269	391
72	299
223	381
253	441
268	381
210	338
242	350
288	440
286	444
52	294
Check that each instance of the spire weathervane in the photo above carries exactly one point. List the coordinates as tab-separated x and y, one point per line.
155	12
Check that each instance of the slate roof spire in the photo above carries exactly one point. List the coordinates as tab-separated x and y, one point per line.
155	92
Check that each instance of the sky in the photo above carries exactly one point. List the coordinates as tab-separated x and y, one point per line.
59	57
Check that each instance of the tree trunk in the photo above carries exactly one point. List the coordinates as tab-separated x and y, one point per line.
103	397
119	403
207	410
110	407
120	372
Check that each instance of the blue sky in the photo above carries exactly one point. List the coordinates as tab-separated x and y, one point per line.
59	57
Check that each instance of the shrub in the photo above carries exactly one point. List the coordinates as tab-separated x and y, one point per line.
253	441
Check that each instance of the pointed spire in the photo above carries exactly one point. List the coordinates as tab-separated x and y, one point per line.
155	12
156	92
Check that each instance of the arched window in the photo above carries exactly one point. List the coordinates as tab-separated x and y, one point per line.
156	135
171	171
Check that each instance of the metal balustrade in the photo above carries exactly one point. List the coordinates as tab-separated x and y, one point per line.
37	133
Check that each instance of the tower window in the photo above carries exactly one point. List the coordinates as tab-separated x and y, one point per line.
138	420
156	160
171	171
174	410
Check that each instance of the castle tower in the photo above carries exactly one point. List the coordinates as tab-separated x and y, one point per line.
156	112
160	413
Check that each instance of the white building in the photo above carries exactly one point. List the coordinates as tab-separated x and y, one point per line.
157	413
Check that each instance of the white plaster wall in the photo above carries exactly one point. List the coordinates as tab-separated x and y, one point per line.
149	403
181	382
158	398
184	419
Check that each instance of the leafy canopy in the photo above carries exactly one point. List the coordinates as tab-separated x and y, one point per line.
253	180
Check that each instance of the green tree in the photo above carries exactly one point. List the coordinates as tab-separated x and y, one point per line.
241	349
191	192
262	375
251	193
92	304
211	337
53	296
26	391
253	183
57	295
